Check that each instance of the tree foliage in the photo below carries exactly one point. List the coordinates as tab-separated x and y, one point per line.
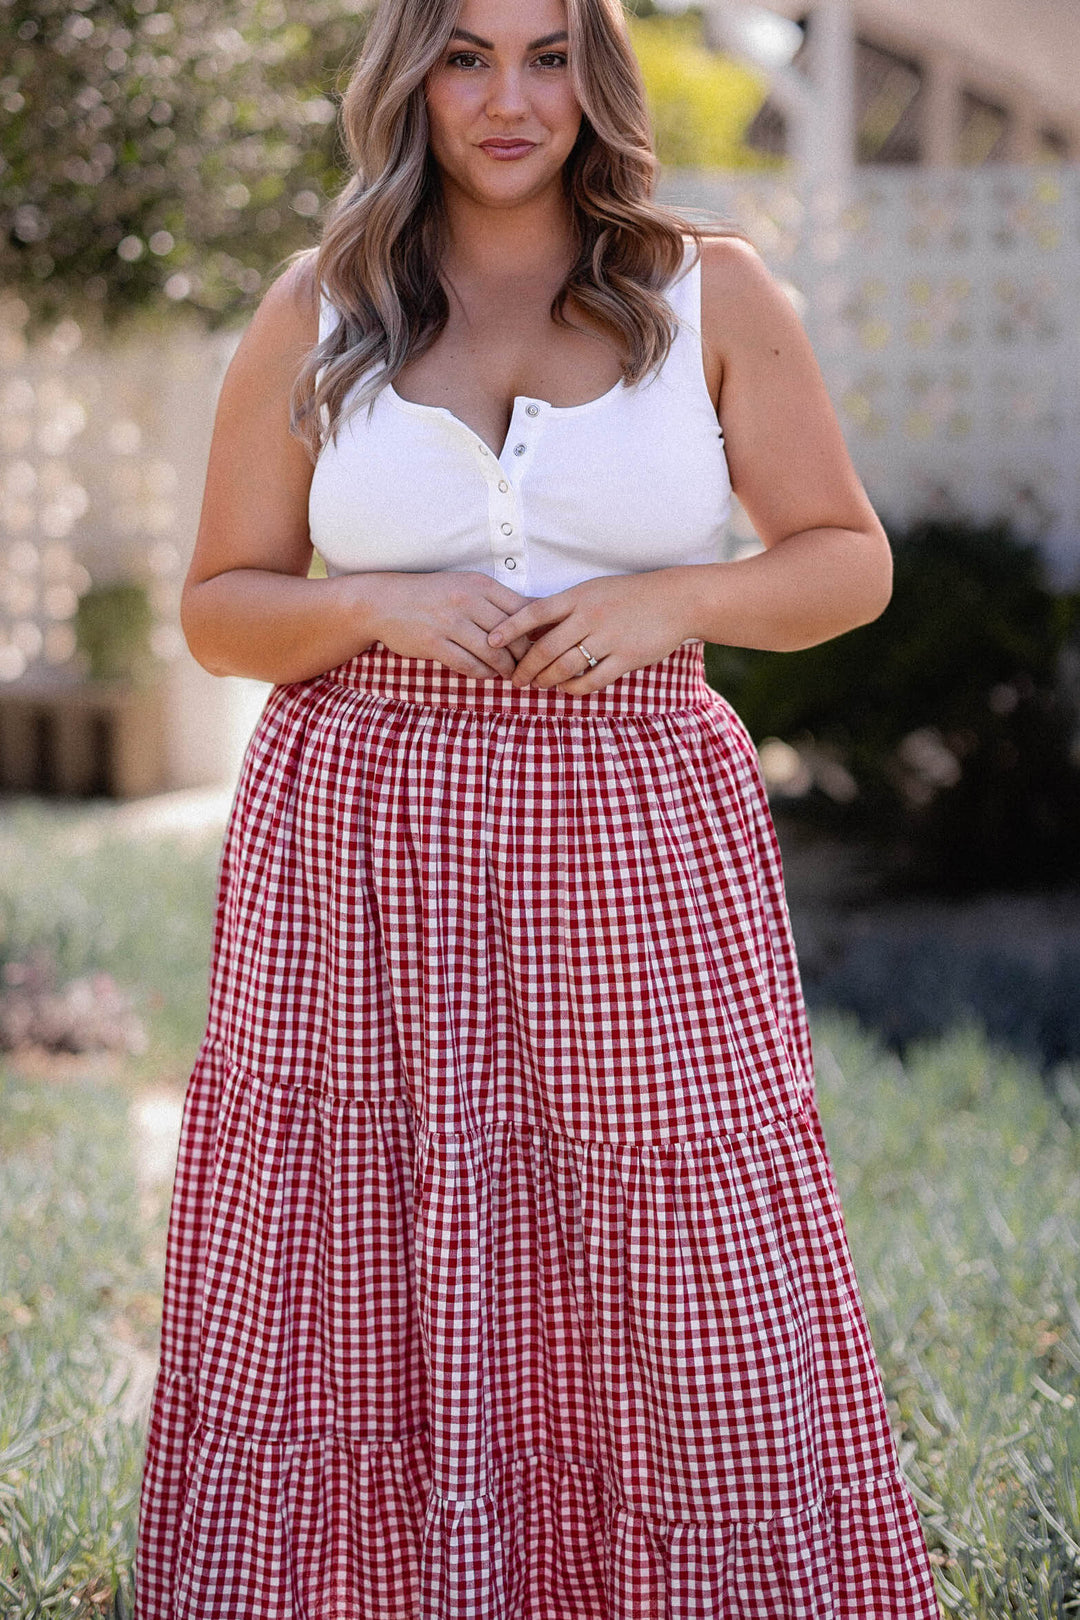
160	154
701	103
164	151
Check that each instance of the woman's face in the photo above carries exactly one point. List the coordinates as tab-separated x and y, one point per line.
502	113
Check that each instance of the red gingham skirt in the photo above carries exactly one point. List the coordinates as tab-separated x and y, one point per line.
506	1276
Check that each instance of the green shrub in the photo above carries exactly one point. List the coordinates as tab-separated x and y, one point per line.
946	730
700	102
113	625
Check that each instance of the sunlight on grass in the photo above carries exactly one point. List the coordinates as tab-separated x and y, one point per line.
81	1257
959	1173
138	909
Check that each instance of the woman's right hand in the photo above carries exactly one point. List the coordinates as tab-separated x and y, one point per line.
446	616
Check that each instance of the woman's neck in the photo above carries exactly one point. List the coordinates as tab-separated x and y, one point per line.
529	244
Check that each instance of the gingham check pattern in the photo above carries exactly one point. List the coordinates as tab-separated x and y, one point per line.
506	1276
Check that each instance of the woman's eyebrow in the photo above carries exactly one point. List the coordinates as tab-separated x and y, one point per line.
486	45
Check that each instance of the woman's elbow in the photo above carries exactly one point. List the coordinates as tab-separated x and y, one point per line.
859	591
193	625
878	576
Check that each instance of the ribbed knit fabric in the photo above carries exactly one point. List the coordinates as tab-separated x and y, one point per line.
633	480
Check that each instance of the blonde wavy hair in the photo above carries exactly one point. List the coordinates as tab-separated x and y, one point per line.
379	255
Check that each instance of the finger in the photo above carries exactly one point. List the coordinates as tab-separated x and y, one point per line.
500	660
490	617
540	654
504	597
542	610
517	649
591	681
566	666
503	604
548	642
470	626
465	661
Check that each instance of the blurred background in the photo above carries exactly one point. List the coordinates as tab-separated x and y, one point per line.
910	172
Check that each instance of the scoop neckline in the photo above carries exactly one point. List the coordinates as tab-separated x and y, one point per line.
617	387
519	399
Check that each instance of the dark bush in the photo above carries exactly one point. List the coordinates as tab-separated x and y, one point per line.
916	988
950	723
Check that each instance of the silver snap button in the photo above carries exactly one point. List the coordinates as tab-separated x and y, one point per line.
503	487
519	449
532	410
508	528
510	563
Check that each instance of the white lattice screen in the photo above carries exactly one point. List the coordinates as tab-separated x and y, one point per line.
947	323
102	457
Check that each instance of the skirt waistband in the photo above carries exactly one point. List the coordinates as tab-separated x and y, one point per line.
675	682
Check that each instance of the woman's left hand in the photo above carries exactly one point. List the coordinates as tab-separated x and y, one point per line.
625	620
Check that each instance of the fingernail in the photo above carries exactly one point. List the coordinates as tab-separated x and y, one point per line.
495	638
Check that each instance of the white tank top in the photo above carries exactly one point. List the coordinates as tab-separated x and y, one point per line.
634	480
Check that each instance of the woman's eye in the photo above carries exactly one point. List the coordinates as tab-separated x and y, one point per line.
468	59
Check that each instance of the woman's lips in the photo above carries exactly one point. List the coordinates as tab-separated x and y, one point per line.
507	149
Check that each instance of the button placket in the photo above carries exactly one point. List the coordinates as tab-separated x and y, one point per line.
507	536
504	525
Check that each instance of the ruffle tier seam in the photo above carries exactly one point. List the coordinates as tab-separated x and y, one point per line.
824	1503
767	1127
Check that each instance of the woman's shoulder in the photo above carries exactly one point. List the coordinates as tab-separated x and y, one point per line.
731	267
284	328
740	296
294	295
288	312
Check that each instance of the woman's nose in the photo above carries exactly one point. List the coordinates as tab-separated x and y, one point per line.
506	95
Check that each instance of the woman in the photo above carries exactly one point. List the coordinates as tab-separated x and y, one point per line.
506	1274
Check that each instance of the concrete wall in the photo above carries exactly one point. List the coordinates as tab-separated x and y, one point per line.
947	332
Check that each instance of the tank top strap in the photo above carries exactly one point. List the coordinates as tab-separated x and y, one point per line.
684	292
685	363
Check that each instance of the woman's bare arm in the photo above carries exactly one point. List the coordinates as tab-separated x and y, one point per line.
826	567
248	607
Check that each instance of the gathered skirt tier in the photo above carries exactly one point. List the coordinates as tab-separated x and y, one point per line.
506	1275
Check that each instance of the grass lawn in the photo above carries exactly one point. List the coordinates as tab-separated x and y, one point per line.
959	1173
